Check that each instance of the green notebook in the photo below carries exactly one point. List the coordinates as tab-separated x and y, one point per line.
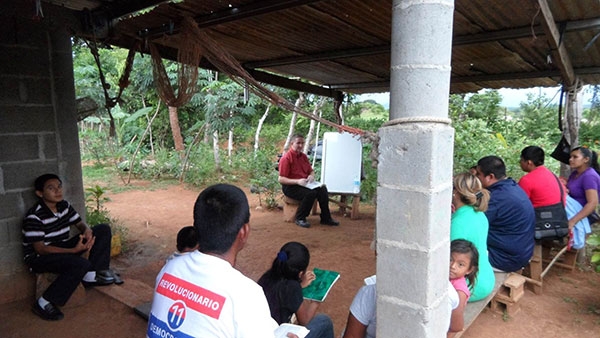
319	288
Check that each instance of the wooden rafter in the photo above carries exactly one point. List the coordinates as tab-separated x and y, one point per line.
559	52
231	14
463	40
276	80
475	78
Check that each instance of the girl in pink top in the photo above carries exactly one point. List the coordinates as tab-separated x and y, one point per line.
464	261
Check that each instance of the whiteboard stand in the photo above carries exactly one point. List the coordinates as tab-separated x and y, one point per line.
341	169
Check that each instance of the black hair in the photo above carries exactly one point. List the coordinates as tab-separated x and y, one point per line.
219	213
187	238
292	259
41	180
587	152
492	165
534	154
466	247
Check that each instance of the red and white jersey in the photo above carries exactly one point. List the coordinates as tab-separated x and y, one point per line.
200	295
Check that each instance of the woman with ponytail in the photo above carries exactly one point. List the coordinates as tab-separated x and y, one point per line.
470	201
584	183
283	285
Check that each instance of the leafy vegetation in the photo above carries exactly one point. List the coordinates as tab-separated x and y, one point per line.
220	122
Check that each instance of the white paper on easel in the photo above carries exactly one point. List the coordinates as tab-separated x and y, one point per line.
342	159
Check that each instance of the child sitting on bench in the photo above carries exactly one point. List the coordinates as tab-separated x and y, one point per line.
464	261
187	241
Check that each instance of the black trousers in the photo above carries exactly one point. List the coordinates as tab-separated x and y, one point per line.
72	267
307	198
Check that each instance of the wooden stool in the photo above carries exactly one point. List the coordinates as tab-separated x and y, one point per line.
507	298
43	281
290	207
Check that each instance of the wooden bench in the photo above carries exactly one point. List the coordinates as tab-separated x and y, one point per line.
473	309
542	253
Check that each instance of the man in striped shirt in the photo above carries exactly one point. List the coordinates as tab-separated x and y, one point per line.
47	247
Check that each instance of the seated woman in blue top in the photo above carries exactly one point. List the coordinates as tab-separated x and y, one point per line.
584	182
470	200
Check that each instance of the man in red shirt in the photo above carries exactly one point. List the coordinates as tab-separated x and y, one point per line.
295	172
540	184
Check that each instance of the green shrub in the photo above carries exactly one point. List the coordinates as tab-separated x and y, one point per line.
594	242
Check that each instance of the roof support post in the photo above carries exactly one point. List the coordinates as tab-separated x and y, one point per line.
415	174
559	51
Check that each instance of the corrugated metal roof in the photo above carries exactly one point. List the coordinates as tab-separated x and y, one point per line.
317	27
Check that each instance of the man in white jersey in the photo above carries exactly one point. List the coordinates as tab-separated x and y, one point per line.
201	294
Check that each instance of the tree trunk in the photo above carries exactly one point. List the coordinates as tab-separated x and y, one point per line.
571	122
230	141
149	131
317	140
260	124
215	138
311	129
175	130
337	108
298	103
206	133
149	127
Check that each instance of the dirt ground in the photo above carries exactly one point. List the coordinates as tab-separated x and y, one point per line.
569	306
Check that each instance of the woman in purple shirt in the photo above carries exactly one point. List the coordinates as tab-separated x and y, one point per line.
584	182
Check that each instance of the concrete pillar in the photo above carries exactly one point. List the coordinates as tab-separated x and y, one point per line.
415	175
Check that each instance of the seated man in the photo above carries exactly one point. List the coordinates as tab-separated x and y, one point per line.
47	247
510	215
295	172
540	184
201	294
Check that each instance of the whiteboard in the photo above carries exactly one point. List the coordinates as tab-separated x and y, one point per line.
342	159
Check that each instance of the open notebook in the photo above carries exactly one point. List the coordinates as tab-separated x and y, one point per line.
320	287
285	328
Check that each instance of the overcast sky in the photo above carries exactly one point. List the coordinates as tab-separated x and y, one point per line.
510	97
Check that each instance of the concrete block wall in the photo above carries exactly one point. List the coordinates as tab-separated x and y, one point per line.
38	129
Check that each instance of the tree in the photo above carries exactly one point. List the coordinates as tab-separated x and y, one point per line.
539	117
311	129
288	139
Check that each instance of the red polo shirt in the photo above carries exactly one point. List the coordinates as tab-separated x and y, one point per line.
541	187
294	165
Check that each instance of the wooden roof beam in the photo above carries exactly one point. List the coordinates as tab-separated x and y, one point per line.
522	32
231	14
476	78
276	80
118	9
500	35
284	82
522	75
324	56
559	52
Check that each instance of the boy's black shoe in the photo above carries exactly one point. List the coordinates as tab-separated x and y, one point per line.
331	222
48	312
303	223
